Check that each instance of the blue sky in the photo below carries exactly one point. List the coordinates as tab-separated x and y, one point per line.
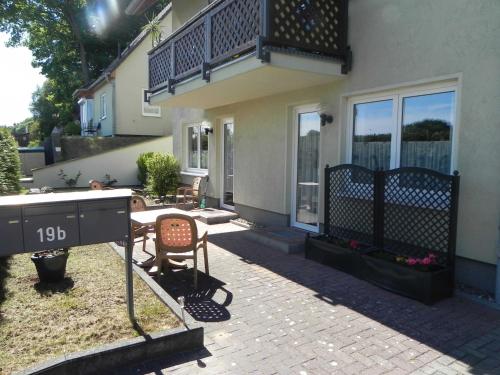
18	79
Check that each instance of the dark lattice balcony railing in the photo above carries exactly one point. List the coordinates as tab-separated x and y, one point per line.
228	29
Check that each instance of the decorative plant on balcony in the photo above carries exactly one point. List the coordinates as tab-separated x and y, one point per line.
153	27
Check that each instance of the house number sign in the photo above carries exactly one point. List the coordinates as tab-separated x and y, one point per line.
51	234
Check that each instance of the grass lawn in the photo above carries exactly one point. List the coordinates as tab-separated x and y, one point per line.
88	309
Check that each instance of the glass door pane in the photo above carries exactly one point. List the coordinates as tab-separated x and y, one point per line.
228	168
307	185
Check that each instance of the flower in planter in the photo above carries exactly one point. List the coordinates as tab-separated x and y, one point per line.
412	261
426	261
353	244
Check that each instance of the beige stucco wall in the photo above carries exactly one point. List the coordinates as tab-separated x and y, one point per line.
131	77
119	163
183	10
395	43
106	123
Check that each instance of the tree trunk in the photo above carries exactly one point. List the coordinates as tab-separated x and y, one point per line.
75	28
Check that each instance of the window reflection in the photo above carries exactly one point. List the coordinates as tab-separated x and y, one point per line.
372	134
427	131
193	147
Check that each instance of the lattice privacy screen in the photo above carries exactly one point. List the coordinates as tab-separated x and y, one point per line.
311	25
411	211
234	26
349	203
418	206
160	66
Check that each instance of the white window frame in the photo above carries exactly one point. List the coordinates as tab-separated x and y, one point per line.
222	122
201	126
103	106
145	105
308	108
397	96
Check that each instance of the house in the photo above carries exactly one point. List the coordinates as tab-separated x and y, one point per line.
263	94
114	103
112	107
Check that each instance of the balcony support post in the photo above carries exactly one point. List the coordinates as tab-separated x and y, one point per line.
205	68
264	18
347	65
262	53
171	86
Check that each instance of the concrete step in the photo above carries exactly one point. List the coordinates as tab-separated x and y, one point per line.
286	239
214	216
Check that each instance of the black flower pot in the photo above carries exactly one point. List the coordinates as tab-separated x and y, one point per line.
50	265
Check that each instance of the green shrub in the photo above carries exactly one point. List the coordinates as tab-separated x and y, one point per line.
73	128
10	165
142	176
163	174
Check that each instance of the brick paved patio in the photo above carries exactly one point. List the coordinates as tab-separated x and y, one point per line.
270	313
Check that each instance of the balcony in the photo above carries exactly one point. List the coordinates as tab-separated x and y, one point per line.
233	49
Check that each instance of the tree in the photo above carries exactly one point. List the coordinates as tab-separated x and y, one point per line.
72	41
10	165
50	108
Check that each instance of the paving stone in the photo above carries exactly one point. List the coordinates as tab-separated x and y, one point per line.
266	312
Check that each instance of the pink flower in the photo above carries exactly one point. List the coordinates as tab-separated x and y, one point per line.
353	244
411	261
426	261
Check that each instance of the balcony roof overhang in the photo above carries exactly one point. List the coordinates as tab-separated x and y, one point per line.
250	78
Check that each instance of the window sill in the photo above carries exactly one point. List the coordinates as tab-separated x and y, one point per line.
200	173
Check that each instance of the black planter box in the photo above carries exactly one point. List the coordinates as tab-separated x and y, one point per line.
345	260
424	286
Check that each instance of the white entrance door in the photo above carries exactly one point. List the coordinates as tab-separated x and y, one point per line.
305	182
227	154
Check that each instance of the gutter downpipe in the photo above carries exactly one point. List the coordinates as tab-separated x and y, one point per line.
113	103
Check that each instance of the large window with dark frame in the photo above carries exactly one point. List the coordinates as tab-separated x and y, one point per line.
404	129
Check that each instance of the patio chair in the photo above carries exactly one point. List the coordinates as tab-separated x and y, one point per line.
177	239
137	204
96	185
189	194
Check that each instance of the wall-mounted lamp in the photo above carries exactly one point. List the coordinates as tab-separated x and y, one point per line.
326	119
209	130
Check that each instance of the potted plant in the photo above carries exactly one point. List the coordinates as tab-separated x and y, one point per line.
422	278
51	264
340	253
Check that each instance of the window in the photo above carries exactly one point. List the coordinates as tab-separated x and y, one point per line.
149	110
104	107
406	129
197	147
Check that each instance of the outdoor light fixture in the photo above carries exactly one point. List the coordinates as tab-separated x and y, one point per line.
209	130
326	119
